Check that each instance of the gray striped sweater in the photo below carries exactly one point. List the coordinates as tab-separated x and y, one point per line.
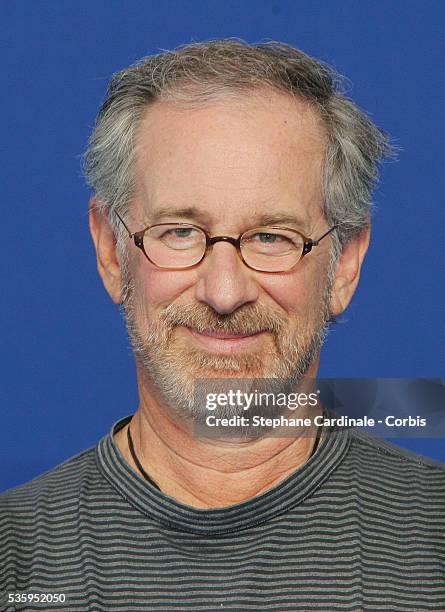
360	526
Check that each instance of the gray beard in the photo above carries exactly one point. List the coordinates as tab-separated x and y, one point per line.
183	375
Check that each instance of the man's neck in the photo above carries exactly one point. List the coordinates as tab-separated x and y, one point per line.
209	473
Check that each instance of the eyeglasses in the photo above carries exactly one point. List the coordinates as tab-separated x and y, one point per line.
177	246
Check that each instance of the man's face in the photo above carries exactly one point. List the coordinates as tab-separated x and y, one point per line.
225	167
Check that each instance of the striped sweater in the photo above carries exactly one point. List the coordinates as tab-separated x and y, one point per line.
360	526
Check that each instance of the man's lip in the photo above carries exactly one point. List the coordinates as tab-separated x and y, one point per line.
224	343
222	336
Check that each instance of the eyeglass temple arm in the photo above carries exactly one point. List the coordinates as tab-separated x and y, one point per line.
324	235
123	223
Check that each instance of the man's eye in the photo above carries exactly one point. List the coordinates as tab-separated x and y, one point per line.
180	232
264	239
181	237
268	238
269	243
176	233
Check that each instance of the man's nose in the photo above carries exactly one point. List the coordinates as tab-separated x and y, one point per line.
225	282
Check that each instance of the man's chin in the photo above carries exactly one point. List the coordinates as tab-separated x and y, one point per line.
202	364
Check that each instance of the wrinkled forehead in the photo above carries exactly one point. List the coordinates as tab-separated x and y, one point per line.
231	159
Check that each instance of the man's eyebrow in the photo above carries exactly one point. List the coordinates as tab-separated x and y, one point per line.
280	218
192	213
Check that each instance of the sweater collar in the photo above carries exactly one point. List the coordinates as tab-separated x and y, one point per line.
292	491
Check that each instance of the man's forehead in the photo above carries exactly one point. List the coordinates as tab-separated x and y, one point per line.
260	160
289	119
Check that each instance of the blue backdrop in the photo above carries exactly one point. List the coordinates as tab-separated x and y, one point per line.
67	372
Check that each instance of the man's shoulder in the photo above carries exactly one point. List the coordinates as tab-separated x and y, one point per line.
378	460
399	455
57	486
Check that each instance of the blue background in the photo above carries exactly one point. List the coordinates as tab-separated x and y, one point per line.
67	372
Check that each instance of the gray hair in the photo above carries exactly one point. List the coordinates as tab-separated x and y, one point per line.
200	73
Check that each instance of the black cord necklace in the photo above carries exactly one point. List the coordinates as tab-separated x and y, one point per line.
151	481
137	462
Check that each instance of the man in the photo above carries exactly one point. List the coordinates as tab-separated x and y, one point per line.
230	217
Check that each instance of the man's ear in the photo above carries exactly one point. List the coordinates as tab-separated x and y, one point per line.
348	271
106	252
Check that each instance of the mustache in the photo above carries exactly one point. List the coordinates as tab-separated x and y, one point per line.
249	319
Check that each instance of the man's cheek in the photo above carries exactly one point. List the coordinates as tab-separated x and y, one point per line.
162	287
153	293
289	291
